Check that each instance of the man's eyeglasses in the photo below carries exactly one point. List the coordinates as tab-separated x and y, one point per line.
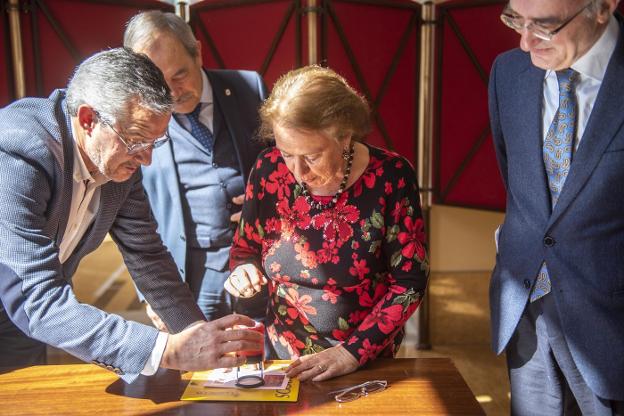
517	23
135	147
349	394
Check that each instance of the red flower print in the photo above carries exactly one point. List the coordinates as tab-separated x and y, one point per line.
369	179
413	239
386	319
401	183
341	335
336	222
290	341
251	235
353	340
306	256
273	155
328	253
281	278
279	180
299	305
400	210
359	269
249	193
273	225
388	188
357	316
382	205
262	188
331	293
298	215
407	266
368	351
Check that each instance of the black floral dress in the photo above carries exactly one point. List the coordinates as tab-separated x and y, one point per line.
351	274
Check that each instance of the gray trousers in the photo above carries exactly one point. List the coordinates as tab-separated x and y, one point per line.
544	378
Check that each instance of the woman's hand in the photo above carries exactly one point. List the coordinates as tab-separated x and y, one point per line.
333	362
245	281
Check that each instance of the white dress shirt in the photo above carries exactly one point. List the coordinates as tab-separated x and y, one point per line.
591	67
85	204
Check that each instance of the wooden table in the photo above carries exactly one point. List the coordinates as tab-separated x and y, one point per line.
416	386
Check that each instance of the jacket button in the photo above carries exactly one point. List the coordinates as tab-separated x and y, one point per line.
527	284
549	241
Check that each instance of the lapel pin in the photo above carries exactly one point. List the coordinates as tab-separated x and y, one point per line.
228	92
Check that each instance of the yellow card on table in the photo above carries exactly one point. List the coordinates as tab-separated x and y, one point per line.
202	387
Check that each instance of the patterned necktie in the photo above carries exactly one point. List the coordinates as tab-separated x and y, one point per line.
199	129
558	148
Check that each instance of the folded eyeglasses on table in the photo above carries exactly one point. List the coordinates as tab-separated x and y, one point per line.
348	394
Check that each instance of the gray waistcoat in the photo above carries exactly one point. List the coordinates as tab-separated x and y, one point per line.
208	182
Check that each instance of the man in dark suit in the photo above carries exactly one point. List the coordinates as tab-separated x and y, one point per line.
69	174
197	180
557	292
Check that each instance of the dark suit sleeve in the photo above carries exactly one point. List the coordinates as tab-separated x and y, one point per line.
497	134
150	264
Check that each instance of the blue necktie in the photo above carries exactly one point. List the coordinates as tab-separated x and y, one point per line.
199	129
558	148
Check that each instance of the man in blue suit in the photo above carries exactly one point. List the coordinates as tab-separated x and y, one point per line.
557	291
197	180
69	174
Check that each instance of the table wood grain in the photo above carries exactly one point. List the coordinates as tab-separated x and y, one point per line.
416	386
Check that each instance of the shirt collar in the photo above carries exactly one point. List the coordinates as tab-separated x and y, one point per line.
594	63
206	96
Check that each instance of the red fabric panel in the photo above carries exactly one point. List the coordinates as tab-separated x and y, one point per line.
462	99
243	36
89	26
5	60
374	33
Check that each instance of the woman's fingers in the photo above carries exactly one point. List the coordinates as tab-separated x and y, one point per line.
245	281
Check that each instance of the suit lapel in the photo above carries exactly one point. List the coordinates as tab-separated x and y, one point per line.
225	103
68	167
530	85
604	122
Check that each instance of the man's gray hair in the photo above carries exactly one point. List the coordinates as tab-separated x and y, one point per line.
594	7
143	28
112	80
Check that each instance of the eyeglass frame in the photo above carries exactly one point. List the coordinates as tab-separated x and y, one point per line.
360	390
508	18
137	147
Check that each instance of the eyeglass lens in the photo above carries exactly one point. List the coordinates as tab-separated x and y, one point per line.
358	391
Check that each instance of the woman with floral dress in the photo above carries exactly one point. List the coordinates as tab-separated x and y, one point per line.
333	226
